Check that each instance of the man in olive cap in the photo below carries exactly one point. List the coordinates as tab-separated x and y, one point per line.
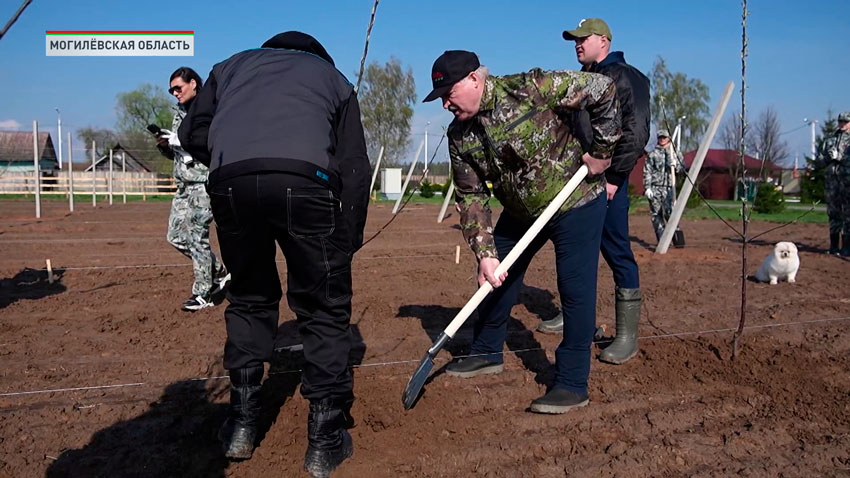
508	131
592	39
657	182
834	157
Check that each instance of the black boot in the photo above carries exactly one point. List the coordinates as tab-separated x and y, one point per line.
239	431
624	346
329	443
833	242
845	250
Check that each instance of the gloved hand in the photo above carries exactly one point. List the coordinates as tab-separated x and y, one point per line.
648	193
172	138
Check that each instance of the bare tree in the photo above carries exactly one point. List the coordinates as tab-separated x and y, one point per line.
730	139
766	141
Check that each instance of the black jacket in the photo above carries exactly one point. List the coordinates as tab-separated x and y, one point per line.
283	108
633	95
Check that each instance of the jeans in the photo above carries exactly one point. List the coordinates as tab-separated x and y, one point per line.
576	236
616	248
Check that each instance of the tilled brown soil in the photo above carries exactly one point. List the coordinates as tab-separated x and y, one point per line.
681	408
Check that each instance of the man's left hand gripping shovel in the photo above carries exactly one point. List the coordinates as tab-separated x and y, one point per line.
414	386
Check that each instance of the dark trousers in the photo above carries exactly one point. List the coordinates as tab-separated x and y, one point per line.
576	235
252	213
616	248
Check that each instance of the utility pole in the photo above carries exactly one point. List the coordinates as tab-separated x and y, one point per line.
812	123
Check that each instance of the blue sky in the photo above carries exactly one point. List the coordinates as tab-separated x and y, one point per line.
797	49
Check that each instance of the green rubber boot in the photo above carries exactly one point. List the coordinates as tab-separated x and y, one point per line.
624	346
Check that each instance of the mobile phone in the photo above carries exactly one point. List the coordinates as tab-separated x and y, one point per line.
155	129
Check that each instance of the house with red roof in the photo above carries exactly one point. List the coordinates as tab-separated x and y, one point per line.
716	178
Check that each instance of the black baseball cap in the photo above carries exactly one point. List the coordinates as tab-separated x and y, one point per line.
451	67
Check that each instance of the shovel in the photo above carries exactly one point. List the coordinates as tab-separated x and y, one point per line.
414	386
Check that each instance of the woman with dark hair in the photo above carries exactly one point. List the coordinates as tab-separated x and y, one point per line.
191	214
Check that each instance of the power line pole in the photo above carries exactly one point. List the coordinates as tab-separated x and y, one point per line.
812	123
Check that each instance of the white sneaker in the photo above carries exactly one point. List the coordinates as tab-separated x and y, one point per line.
196	303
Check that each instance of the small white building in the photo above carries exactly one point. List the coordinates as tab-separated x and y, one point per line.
390	183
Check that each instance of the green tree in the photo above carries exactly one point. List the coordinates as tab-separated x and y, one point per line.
675	95
145	105
386	97
426	189
769	199
103	138
137	109
811	182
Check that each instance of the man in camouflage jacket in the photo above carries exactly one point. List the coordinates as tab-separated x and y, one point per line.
834	156
658	181
191	213
507	130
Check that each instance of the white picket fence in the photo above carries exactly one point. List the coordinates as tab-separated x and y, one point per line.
59	182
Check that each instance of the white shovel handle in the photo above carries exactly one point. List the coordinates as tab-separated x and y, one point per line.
520	247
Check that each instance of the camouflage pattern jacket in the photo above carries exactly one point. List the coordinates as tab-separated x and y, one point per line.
518	143
656	171
186	168
835	155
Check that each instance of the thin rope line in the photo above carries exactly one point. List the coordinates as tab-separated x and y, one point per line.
149	266
402	362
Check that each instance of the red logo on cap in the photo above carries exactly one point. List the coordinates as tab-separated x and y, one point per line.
437	76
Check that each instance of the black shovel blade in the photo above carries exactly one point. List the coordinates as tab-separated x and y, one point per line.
417	381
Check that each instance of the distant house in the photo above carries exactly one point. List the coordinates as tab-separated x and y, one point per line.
16	152
715	180
134	164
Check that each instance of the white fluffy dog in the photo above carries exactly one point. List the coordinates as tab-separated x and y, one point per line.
781	264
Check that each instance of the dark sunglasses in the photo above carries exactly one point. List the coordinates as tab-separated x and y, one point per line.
178	89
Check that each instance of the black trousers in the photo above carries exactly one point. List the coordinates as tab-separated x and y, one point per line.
252	213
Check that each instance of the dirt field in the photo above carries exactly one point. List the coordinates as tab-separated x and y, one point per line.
681	408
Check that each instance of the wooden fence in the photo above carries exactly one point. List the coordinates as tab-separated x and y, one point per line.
59	182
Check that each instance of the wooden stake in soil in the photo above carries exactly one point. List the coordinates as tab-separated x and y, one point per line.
457	254
50	278
375	172
407	180
446	201
687	187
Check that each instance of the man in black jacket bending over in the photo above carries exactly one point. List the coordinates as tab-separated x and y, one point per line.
592	44
280	128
